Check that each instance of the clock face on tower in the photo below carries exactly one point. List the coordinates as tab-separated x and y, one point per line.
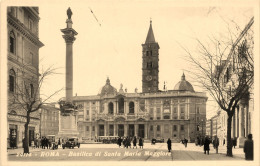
149	78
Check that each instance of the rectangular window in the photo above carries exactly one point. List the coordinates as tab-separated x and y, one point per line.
158	128
182	127
174	127
93	128
175	110
198	110
182	110
11	83
151	128
166	128
182	117
87	128
158	111
30	24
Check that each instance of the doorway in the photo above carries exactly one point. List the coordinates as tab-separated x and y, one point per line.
141	130
101	130
131	130
121	130
31	135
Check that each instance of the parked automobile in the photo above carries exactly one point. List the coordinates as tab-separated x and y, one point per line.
71	143
161	140
108	139
153	141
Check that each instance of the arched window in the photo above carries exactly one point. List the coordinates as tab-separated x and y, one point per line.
12	41
31	90
131	107
121	105
110	108
11	80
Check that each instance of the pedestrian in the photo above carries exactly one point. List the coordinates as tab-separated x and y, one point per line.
59	142
249	148
206	145
127	142
216	143
134	142
32	144
234	141
169	143
141	144
185	142
119	141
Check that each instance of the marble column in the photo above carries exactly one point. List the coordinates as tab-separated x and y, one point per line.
155	131
125	130
136	129
105	129
96	130
246	120
145	131
178	110
241	108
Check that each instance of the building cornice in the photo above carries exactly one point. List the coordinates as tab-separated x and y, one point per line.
24	30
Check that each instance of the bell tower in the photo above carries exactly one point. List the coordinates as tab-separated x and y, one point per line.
150	64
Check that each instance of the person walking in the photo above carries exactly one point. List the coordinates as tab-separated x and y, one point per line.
249	148
185	142
169	144
216	143
134	142
59	142
141	144
119	142
206	145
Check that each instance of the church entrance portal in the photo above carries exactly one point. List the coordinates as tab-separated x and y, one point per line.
101	130
141	130
131	130
120	130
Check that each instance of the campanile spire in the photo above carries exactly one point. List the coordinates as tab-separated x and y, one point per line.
150	56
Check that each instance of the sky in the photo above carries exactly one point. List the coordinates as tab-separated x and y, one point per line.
113	49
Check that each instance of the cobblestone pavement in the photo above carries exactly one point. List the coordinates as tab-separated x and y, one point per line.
111	152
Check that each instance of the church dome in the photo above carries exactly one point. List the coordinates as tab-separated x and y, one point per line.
108	89
184	85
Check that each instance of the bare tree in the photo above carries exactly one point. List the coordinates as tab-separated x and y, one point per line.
26	95
225	68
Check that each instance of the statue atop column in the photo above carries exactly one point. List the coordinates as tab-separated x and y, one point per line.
69	13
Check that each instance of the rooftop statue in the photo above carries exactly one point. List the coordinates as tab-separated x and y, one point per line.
69	13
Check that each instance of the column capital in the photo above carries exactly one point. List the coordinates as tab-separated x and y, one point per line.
69	35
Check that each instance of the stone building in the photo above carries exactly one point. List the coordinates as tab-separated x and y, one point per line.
49	116
150	114
242	120
23	62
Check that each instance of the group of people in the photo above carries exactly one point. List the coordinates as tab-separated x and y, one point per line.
127	142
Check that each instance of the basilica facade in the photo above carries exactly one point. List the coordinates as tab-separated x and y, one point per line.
177	114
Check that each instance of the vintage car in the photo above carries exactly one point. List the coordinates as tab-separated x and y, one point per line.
153	141
108	139
71	143
160	140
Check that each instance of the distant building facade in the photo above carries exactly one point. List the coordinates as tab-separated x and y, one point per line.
49	116
177	114
242	121
23	59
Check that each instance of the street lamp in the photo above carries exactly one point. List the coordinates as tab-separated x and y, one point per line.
40	112
202	126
